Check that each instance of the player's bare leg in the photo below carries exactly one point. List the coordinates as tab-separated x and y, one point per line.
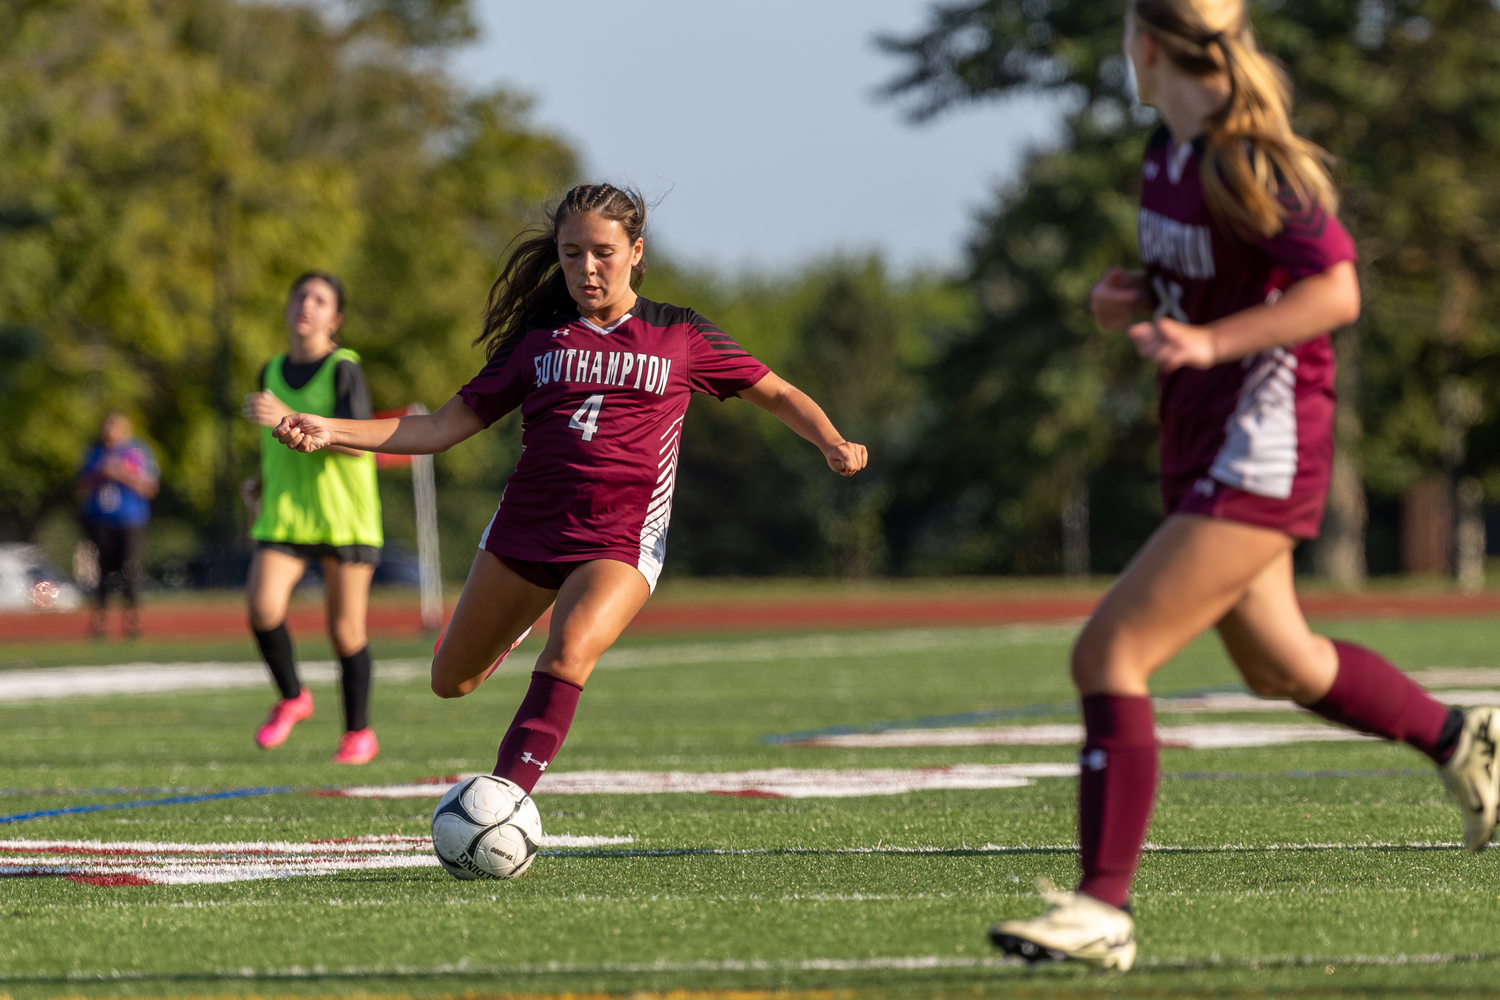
1279	656
496	606
1271	644
273	575
593	607
1187	577
347	601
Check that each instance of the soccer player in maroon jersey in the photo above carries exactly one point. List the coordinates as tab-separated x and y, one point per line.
602	378
1247	269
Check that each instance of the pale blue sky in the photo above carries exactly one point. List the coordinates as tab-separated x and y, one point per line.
756	121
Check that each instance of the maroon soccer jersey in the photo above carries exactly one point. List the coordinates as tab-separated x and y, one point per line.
601	416
1263	425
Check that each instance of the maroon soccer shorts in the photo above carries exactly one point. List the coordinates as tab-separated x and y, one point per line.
1299	515
549	575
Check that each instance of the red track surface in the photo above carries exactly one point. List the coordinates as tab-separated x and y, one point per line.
215	617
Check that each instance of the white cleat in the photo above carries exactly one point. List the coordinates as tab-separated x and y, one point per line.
1473	776
1075	926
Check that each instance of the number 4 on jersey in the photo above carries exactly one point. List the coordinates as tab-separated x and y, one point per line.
586	417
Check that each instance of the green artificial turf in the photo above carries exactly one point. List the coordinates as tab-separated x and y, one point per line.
1256	883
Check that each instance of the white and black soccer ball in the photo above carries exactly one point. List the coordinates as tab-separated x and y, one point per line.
486	827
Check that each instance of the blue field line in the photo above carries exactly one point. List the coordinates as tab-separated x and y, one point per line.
233	793
118	790
981	715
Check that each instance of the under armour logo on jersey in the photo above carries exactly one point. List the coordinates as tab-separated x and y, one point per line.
1204	488
1152	169
561	331
527	758
1168	299
1093	760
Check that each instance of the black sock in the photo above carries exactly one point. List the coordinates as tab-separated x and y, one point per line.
1453	727
357	676
276	649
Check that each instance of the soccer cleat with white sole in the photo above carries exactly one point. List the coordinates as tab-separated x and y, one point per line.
1473	775
1075	927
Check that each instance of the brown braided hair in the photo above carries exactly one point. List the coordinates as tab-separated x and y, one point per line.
531	286
1251	148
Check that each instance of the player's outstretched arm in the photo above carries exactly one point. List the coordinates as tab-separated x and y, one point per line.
797	410
1309	308
427	434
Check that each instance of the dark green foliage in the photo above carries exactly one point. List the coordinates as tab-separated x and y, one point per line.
171	166
1033	404
752	498
1037	402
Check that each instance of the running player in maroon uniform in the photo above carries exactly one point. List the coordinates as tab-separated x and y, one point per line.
602	378
1247	269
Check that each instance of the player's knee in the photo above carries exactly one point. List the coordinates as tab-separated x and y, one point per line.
1275	684
568	662
445	687
264	619
1090	660
348	640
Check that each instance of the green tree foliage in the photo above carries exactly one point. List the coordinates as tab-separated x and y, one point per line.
172	164
1032	403
1404	93
754	499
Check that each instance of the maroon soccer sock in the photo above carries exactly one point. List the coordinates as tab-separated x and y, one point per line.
1116	790
1374	697
538	730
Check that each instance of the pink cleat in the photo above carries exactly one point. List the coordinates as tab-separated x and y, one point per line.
493	666
358	747
285	714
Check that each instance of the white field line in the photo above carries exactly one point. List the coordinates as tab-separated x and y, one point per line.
1456	676
149	863
912	963
836	646
1490	697
156	678
779	782
196	864
1224	735
152	678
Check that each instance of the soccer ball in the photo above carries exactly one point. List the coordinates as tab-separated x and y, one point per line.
486	827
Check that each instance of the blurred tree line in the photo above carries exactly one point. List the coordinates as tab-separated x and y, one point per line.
1035	415
173	164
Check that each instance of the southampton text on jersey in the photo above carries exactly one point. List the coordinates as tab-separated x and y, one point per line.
1176	246
616	368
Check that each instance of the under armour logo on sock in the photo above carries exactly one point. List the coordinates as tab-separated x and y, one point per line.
526	758
1093	760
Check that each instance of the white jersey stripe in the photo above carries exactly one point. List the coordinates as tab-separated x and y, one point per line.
1259	454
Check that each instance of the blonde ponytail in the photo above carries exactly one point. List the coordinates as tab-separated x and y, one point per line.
1252	152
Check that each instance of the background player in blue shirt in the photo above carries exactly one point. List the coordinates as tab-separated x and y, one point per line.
116	483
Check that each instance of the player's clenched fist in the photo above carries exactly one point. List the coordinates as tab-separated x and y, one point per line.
303	432
1171	345
846	458
1117	297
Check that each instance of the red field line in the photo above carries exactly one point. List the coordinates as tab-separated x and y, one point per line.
217	619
